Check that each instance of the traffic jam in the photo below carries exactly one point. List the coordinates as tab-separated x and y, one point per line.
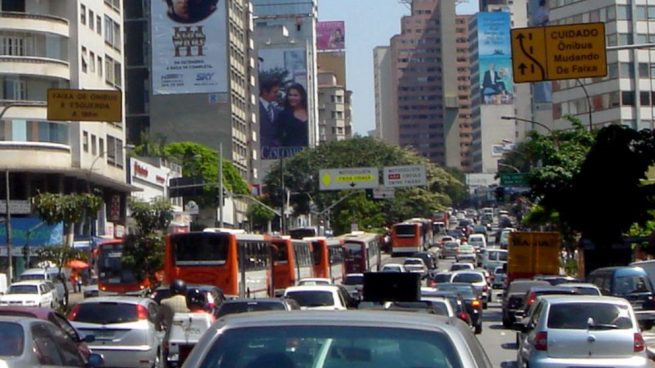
462	289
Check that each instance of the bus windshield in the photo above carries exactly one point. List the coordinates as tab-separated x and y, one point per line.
110	265
405	230
353	249
200	249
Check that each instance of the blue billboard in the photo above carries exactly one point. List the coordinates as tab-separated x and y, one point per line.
495	58
32	231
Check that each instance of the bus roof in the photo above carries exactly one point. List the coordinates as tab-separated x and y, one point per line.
223	230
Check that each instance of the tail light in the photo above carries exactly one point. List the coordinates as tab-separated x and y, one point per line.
432	283
639	343
485	288
141	312
531	298
73	313
463	316
475	303
541	341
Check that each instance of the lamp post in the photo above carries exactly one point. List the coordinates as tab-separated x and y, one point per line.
550	130
584	89
516	169
101	154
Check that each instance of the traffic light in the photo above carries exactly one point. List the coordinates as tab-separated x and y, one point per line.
500	194
369	194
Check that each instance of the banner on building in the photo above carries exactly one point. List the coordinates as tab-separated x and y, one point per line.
189	41
494	47
330	35
284	116
33	232
538	16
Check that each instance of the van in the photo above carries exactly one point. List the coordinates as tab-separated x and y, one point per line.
631	283
493	258
649	267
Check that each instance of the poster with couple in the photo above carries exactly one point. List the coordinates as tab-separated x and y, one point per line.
494	47
284	117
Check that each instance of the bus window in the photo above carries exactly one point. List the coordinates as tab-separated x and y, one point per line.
200	249
353	249
317	252
405	230
282	252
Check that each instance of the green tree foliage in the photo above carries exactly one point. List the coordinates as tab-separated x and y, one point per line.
301	178
143	252
69	209
259	216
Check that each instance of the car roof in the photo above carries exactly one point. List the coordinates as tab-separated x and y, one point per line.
116	299
28	282
554	299
255	301
358	274
392	265
17	319
312	288
474	271
540	288
35	312
315	279
622	270
578	284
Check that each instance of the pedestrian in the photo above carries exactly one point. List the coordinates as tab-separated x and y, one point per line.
176	303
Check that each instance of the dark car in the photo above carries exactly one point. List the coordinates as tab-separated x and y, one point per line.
513	298
430	259
56	318
471	301
256	305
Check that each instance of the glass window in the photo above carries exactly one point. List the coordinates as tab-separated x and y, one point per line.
583	316
627	70
627	98
106	313
83	14
623	12
625	38
611	13
12	337
98	24
612	39
312	298
200	249
91	18
644	98
640	12
46	348
651	11
85	141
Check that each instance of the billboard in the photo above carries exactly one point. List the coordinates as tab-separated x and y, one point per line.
494	47
284	117
538	16
188	46
33	232
330	35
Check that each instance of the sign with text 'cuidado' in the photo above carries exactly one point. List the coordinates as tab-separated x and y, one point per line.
349	178
405	176
85	105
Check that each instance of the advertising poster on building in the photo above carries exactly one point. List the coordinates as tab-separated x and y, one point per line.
32	232
538	16
188	46
494	47
330	36
283	114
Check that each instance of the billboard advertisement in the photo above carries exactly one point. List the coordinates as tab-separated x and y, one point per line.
283	113
538	14
330	35
494	47
188	46
33	232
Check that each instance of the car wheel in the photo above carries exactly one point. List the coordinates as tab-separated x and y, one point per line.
478	329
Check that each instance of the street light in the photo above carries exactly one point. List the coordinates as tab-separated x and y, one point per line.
551	131
509	166
93	163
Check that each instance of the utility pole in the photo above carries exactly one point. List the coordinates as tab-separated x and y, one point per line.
284	195
10	268
220	185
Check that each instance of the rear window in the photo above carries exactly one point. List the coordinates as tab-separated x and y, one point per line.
631	284
581	316
405	230
468	277
442	277
33	276
456	267
465	291
12	337
23	289
451	245
106	313
233	308
353	280
312	298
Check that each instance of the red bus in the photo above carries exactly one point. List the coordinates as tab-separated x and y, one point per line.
328	256
363	252
292	261
410	237
113	278
236	262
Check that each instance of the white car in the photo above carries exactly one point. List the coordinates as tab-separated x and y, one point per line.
393	267
314	281
416	265
317	297
29	293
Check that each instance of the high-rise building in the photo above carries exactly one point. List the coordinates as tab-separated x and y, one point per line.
625	95
386	128
70	45
464	116
424	88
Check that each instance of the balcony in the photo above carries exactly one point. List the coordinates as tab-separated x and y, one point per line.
43	157
37	66
22	22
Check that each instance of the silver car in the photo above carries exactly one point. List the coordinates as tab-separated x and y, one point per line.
329	339
577	330
124	329
30	342
477	280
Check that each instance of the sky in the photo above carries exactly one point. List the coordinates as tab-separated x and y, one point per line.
369	23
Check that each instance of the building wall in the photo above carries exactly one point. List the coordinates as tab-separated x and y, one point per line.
386	127
334	122
464	118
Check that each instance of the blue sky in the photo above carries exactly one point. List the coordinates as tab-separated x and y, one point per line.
369	23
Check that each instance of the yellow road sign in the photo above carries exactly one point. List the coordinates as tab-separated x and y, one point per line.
559	52
85	105
349	178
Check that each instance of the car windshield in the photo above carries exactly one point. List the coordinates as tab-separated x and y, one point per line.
23	289
312	298
451	245
106	313
582	316
243	307
12	337
337	346
466	291
354	280
468	277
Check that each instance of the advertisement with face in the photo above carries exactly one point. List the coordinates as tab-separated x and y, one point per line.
330	35
538	15
283	114
496	83
188	46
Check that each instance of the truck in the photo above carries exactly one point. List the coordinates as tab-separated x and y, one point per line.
533	253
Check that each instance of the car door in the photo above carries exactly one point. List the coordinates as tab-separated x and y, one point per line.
45	348
70	355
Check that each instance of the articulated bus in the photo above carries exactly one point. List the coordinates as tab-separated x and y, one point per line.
238	263
406	238
362	252
113	278
292	261
328	258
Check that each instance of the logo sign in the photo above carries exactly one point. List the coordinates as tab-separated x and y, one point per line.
384	193
355	178
85	105
404	176
559	52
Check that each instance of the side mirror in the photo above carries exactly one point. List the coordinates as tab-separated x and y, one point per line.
95	360
89	338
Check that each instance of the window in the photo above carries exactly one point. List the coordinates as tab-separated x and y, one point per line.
112	71
92	60
91	17
628	98
98	24
14	89
83	14
624	12
85	141
84	64
644	98
93	145
99	66
112	33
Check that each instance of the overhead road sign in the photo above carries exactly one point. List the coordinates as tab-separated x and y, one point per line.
404	176
349	178
559	52
384	193
513	179
85	105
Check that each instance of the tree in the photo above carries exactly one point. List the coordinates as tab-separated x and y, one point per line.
143	250
259	217
68	209
300	174
60	256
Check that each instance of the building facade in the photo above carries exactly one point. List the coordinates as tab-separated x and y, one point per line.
464	116
386	127
65	45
